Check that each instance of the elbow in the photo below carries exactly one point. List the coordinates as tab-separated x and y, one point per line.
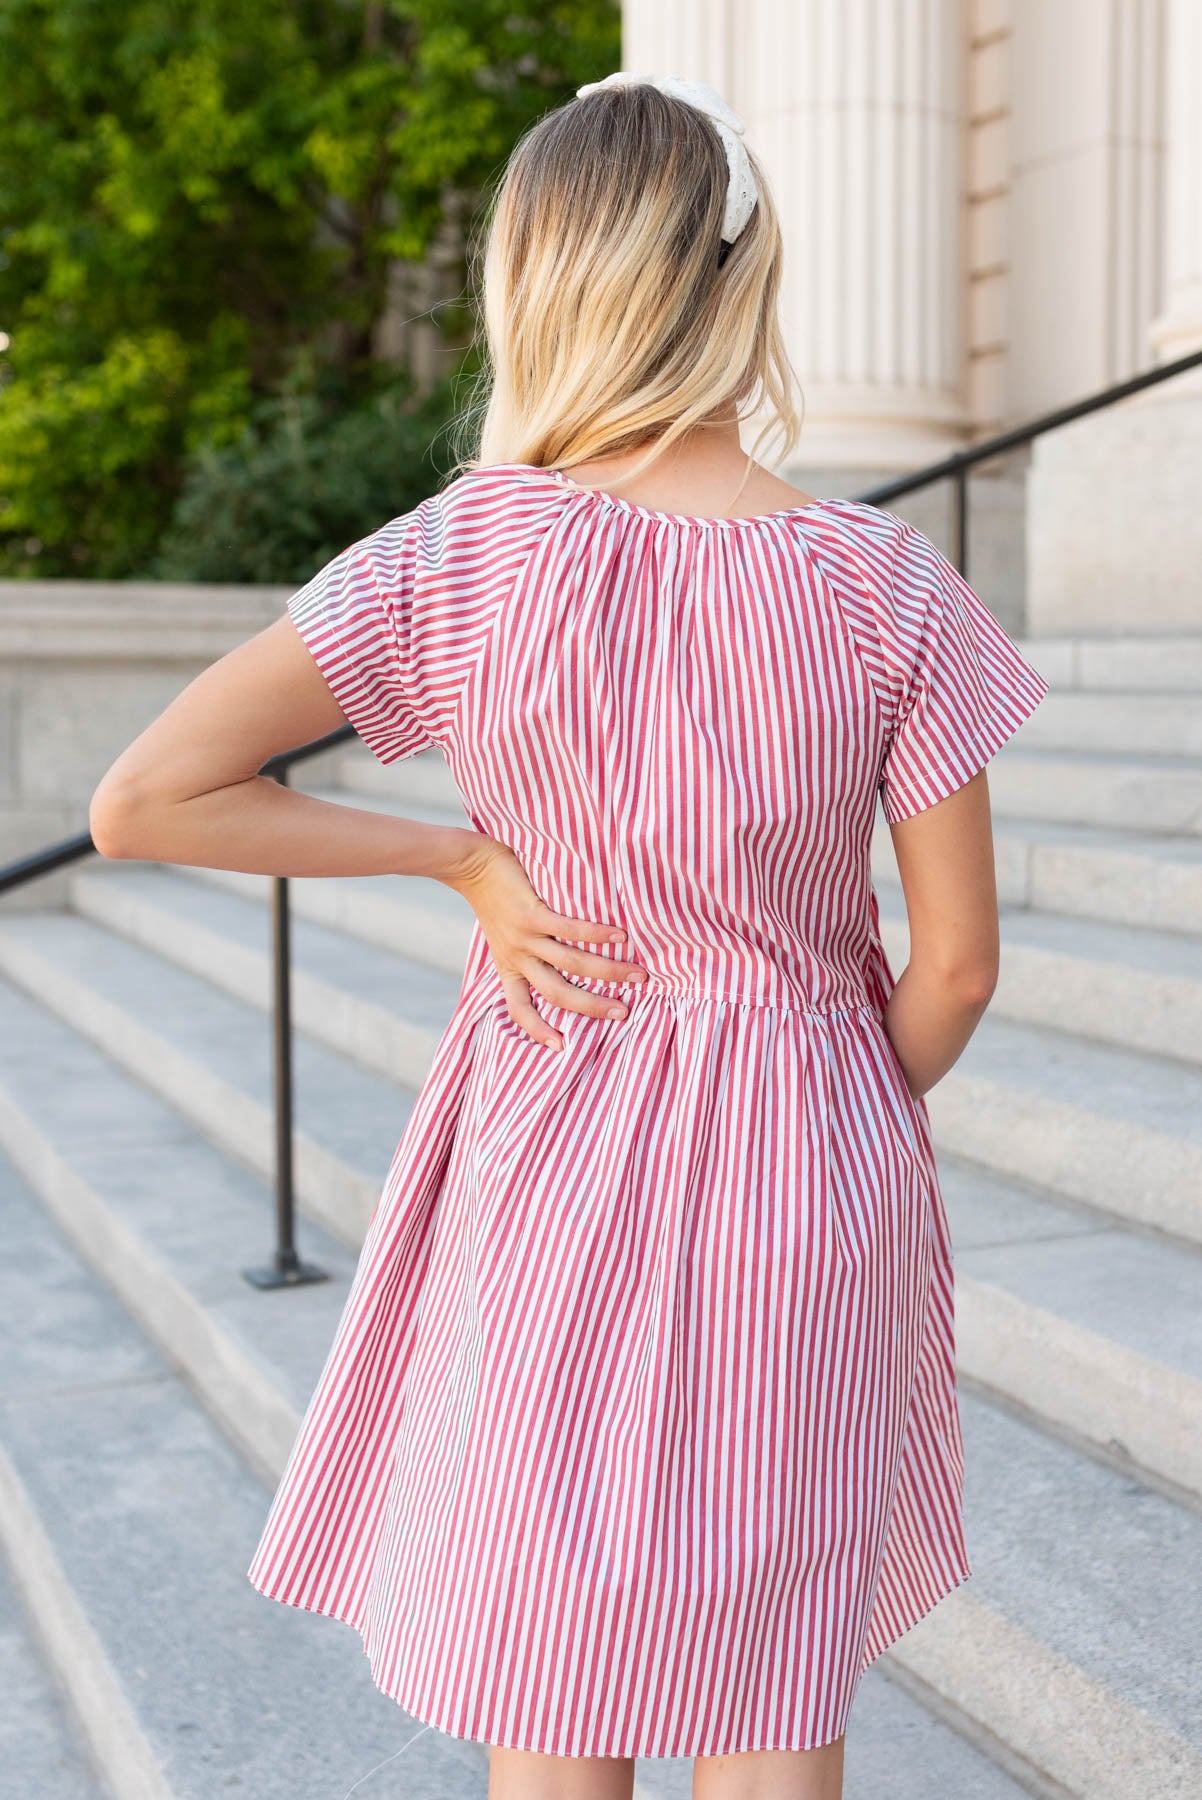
118	821
965	981
973	985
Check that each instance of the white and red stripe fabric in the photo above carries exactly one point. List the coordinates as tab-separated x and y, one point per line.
639	1432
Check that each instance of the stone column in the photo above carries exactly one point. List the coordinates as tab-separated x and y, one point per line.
1114	528
693	38
856	108
1178	328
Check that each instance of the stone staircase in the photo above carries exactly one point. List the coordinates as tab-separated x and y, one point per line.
152	1394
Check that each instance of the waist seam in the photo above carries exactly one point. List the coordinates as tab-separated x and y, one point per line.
640	990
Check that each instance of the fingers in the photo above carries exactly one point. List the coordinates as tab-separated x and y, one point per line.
522	1012
541	959
588	931
552	986
559	992
584	962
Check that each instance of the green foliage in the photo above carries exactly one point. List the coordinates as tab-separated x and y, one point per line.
196	200
305	479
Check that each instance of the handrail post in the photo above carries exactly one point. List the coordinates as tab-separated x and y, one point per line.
960	527
286	1268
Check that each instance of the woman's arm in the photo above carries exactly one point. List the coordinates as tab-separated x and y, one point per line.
946	863
187	790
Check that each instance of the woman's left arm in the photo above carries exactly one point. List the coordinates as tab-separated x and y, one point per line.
188	789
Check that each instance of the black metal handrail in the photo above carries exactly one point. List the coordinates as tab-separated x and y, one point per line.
956	467
286	1268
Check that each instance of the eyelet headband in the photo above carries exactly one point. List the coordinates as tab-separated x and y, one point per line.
741	192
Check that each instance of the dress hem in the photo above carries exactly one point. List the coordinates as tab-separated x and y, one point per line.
915	1617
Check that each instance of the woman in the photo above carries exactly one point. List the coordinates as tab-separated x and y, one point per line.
639	1434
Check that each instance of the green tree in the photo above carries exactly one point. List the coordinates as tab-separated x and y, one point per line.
200	204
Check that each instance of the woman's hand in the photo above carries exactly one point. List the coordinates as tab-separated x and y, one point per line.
522	934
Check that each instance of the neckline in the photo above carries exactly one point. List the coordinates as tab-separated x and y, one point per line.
621	504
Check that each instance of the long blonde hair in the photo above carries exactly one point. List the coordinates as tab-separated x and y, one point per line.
612	314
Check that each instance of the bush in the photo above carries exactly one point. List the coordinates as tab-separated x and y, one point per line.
305	480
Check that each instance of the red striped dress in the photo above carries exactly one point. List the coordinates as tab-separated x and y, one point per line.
639	1433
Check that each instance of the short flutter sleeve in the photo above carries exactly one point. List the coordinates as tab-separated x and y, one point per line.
959	683
356	617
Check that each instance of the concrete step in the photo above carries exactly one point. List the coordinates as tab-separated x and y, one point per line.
1085	872
896	1747
411	916
1074	1640
209	1056
962	1649
93	1143
133	1521
424	779
1134	722
1119	663
172	1253
383	1010
1116	1130
408	917
1123	792
40	1752
1135	988
1092	1328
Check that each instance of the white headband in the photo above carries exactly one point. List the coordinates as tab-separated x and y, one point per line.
741	193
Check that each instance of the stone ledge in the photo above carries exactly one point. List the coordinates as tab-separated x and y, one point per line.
131	621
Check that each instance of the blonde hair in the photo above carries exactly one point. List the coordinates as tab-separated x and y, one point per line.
612	313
